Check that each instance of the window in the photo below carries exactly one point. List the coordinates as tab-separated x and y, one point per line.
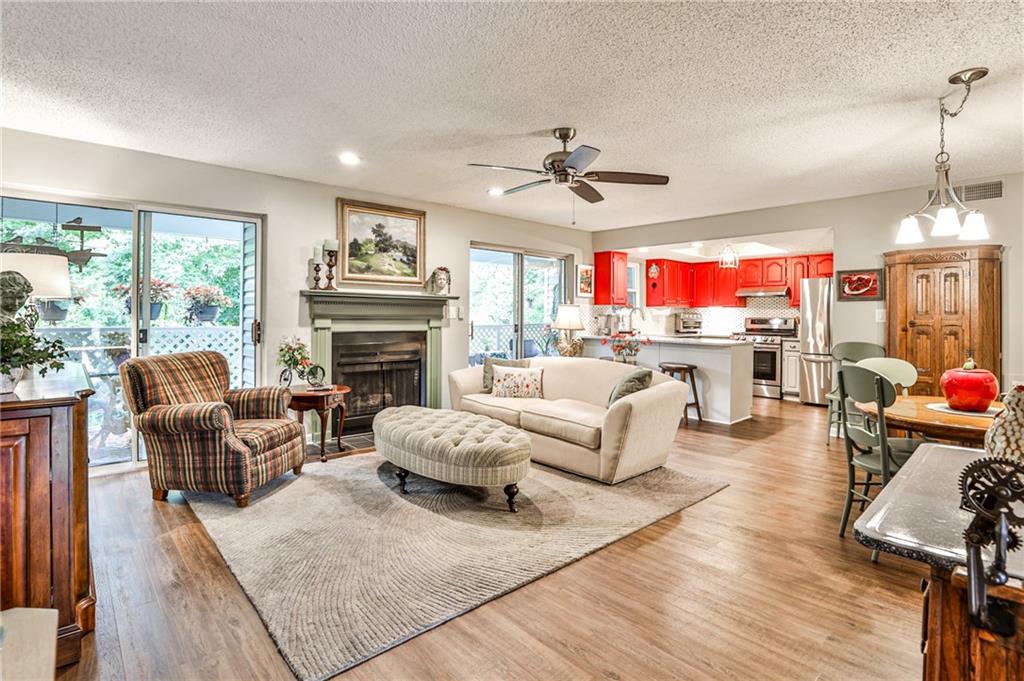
633	284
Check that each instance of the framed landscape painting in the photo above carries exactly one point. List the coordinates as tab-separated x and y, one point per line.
860	285
381	244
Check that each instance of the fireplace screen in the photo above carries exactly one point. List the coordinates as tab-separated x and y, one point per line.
384	369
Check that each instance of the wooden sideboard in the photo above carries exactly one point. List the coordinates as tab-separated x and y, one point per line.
943	305
44	503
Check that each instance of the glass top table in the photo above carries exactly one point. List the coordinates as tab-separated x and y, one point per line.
918	515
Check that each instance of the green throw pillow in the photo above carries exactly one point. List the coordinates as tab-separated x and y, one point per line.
633	382
490	363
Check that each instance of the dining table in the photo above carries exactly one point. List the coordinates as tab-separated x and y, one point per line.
913	413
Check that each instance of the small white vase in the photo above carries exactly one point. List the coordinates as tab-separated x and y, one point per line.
8	382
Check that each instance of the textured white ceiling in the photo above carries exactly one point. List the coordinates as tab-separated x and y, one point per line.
745	105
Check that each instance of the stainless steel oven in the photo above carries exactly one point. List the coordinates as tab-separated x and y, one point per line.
766	334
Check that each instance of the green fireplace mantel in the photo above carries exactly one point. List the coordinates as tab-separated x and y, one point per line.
351	310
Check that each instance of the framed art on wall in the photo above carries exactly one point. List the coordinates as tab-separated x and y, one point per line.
381	244
860	285
584	281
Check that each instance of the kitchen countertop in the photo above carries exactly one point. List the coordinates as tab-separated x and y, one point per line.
708	341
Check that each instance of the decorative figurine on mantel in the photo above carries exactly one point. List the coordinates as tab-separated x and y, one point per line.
440	282
1005	437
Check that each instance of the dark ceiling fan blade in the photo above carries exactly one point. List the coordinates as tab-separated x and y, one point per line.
579	160
521	187
522	170
626	178
586	192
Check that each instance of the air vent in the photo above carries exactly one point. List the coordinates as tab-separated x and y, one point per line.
976	192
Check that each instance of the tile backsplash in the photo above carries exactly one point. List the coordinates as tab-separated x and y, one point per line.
716	321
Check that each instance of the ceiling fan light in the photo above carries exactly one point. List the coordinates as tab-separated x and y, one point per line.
975	228
910	231
495	191
946	222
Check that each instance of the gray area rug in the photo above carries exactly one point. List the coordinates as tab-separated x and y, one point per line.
341	567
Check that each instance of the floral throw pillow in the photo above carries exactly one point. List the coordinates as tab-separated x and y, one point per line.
514	382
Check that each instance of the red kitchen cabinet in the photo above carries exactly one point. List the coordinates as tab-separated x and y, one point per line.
725	288
704	284
797	269
773	272
819	265
610	278
749	273
672	285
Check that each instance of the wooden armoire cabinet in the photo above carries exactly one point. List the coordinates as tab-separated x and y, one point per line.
943	305
44	503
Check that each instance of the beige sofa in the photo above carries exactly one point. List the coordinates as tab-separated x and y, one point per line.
572	427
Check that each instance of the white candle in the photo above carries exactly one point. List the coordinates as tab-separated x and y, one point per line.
318	254
330	244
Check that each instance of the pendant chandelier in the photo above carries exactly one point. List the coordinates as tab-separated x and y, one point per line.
727	258
947	206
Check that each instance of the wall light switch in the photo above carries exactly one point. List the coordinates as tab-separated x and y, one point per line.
880	316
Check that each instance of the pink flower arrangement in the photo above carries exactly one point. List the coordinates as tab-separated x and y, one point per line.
625	344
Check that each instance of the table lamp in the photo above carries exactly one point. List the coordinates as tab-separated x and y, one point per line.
48	275
568	320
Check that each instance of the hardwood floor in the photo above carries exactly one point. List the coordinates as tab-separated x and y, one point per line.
752	583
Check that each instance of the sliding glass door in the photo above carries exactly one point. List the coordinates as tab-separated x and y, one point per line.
143	282
513	299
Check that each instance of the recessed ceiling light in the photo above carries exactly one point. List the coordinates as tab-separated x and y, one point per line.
495	191
349	158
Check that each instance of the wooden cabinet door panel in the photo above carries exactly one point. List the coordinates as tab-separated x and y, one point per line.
773	272
796	272
655	295
820	265
704	284
25	566
725	287
750	273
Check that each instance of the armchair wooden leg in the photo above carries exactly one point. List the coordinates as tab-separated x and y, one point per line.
241	500
159	495
297	470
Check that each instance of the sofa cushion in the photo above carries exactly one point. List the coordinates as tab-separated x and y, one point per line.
491	362
630	383
262	435
570	420
505	409
515	382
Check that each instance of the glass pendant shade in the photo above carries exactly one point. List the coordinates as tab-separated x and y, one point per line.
946	222
975	228
910	231
728	259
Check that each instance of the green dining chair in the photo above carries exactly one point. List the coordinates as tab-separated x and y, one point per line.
849	352
900	372
869	449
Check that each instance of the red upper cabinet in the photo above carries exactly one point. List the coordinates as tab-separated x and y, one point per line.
671	287
773	272
610	278
750	273
796	270
704	279
819	265
654	276
725	287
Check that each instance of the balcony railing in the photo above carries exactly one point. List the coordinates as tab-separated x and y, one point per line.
498	340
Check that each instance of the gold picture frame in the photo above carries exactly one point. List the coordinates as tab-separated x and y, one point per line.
375	243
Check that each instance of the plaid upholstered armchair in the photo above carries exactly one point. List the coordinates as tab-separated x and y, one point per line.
202	436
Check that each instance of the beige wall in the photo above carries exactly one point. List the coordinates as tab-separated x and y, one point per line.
298	214
864	227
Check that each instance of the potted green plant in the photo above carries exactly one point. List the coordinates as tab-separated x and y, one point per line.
203	303
160	292
21	347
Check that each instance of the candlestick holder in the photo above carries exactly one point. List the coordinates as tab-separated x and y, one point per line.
332	262
316	275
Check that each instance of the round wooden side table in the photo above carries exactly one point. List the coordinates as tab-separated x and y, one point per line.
323	402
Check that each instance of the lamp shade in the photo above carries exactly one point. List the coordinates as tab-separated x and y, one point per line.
975	228
946	222
48	274
568	318
910	231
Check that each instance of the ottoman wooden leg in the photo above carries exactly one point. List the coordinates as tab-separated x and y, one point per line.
402	475
510	492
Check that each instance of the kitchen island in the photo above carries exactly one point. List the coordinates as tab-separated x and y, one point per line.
724	369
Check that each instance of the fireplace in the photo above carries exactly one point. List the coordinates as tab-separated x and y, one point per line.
383	368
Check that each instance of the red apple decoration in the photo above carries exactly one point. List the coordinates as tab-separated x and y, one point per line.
969	388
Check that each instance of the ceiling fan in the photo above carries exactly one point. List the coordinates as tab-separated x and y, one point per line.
569	169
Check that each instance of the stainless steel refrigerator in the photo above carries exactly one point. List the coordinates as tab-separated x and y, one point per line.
815	340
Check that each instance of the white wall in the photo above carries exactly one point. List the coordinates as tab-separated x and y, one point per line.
864	228
298	214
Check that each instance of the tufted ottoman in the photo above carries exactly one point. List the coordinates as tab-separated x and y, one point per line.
453	446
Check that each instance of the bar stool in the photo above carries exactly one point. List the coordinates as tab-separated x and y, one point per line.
684	372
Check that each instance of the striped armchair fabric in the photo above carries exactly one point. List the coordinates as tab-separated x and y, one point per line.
202	436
